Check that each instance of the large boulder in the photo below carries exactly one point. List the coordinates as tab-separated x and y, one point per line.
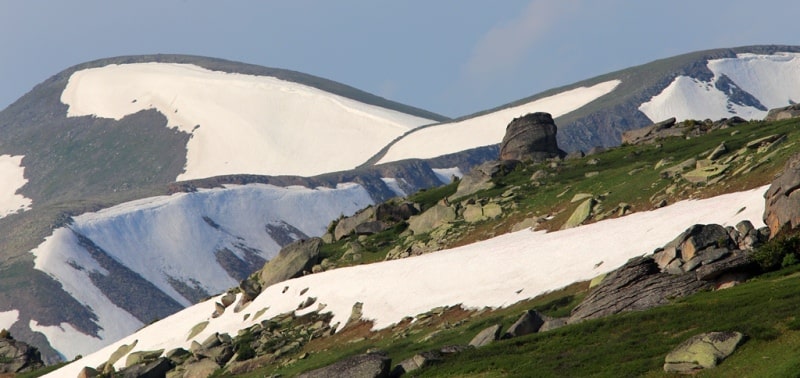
702	351
651	133
782	208
530	322
16	356
777	114
486	336
370	365
292	260
531	137
348	225
637	285
434	217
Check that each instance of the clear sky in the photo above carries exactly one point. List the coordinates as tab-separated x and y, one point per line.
453	57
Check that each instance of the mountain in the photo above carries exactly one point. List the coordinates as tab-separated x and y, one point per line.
712	84
208	167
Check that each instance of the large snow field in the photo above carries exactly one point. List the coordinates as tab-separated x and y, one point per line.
489	128
247	124
773	79
12	177
496	272
175	237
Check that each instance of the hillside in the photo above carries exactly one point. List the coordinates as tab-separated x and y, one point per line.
507	271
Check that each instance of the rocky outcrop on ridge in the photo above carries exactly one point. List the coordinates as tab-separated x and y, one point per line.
670	128
782	210
16	356
531	137
787	112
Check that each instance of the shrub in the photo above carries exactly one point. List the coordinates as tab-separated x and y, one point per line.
777	253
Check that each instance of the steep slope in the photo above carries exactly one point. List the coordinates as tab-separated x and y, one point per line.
743	81
529	263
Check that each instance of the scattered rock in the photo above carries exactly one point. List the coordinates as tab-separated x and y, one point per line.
485	337
702	351
530	322
291	261
144	356
200	369
531	137
718	152
370	365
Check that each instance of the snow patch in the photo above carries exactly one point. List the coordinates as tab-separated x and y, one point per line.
247	124
12	177
8	318
488	129
394	186
169	237
496	272
445	175
772	79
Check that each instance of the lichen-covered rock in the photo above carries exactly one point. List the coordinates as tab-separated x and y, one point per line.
485	337
531	137
432	218
702	351
580	215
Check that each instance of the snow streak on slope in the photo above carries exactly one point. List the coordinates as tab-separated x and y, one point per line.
8	318
12	177
772	80
175	238
496	272
445	175
487	129
247	124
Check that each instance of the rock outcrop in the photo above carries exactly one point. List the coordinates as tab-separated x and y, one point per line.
291	261
702	351
787	112
370	365
782	209
531	137
652	132
16	356
480	177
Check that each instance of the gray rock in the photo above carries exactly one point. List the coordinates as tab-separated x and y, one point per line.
152	369
17	356
480	177
651	133
290	262
722	149
530	322
782	211
637	285
702	351
370	365
417	361
787	112
347	225
580	215
432	218
371	227
200	369
531	137
737	262
699	237
553	323
486	337
88	372
143	356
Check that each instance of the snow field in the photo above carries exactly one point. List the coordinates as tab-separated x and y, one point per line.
773	79
12	177
247	124
496	272
167	237
489	128
8	318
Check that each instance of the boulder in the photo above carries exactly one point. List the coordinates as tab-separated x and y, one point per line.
144	356
782	209
347	225
17	356
153	369
432	218
291	262
88	372
530	322
580	215
370	365
699	237
787	112
395	212
371	227
480	177
200	369
417	361
531	137
702	351
637	285
485	337
651	133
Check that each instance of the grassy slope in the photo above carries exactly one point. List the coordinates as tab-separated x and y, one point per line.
631	344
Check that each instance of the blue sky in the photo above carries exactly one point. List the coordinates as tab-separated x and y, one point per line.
450	57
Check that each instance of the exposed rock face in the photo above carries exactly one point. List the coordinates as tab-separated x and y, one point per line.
783	199
370	365
18	357
777	114
530	137
702	352
637	285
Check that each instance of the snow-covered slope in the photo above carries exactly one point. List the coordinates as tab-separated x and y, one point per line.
241	123
495	272
12	177
489	128
180	245
746	86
